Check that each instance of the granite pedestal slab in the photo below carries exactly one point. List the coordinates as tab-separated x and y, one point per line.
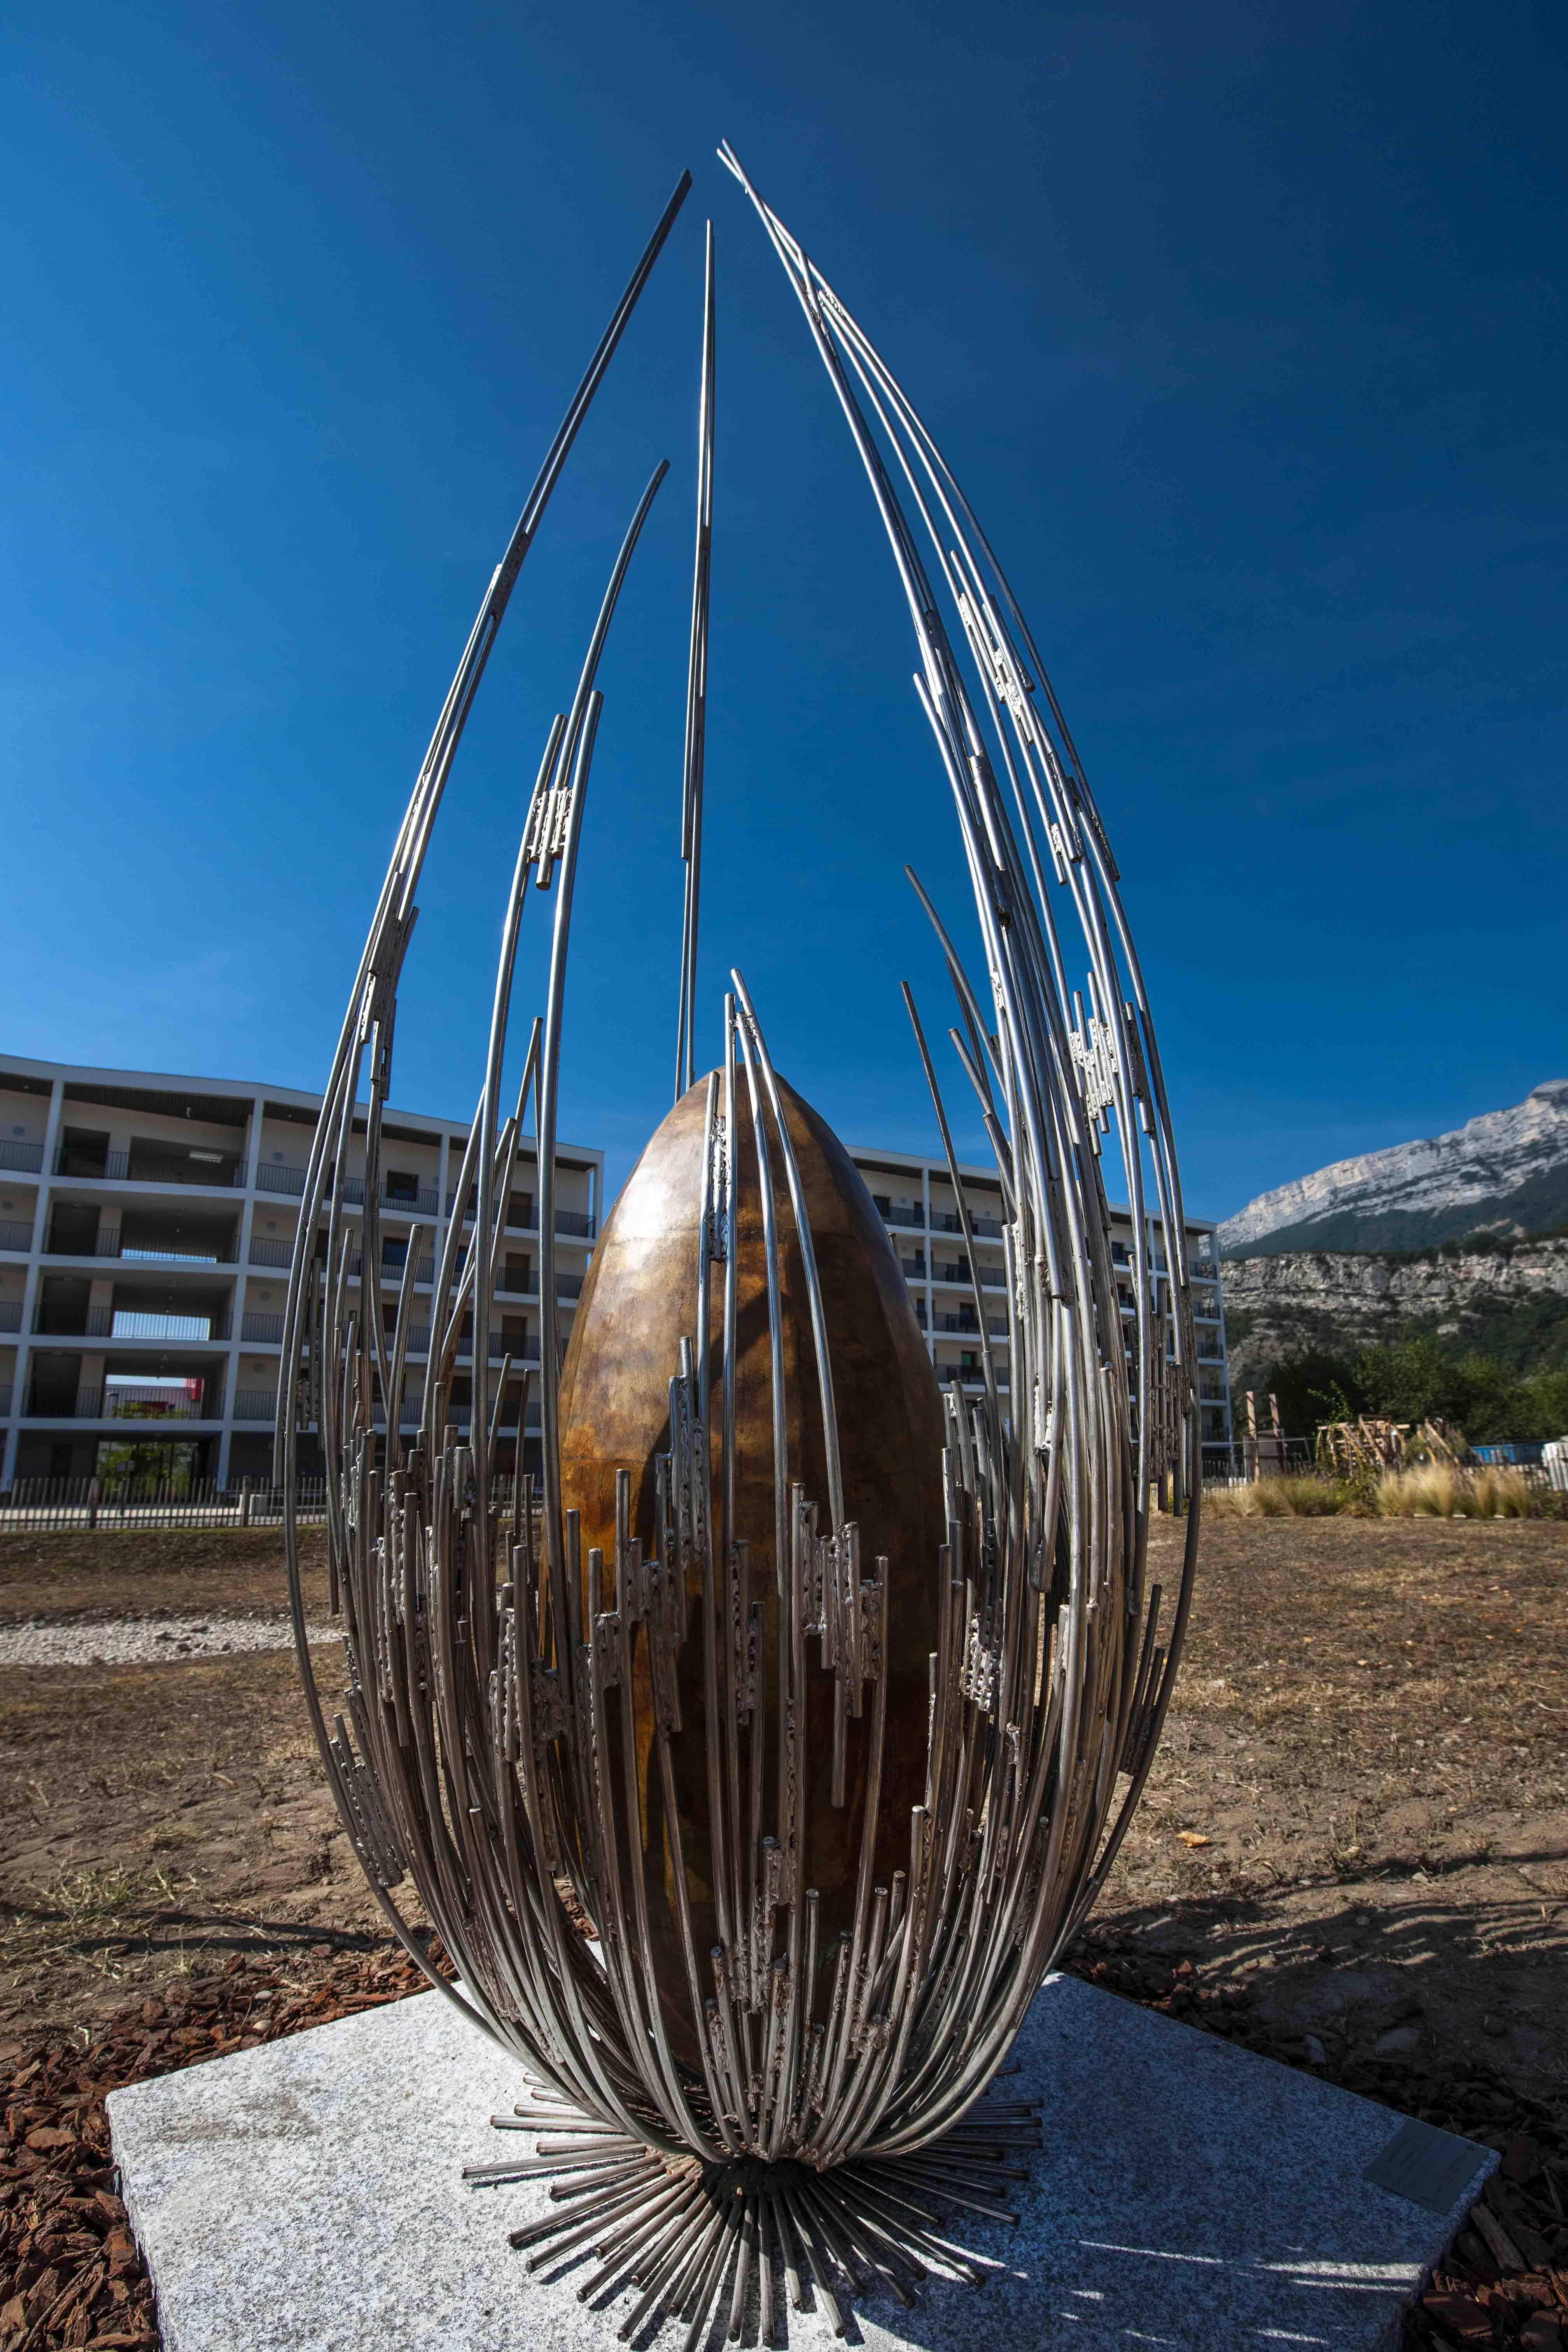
306	2197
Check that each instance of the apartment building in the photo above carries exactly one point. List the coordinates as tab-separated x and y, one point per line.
147	1225
919	1210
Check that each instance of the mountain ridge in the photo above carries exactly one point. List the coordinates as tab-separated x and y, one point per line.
1504	1172
1508	1299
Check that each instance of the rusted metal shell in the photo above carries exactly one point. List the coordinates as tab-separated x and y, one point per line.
638	1302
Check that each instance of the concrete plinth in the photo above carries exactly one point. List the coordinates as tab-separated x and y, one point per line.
306	2197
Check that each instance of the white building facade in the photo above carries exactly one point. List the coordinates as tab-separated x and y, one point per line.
920	1209
147	1225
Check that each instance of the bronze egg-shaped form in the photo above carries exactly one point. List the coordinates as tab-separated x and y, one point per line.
639	1303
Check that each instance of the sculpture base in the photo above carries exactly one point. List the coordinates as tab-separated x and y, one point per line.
307	2197
678	2239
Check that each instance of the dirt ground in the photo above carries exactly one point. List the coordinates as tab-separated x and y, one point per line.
1358	1820
1371	1729
155	1819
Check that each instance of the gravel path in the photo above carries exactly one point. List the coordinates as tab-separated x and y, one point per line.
145	1641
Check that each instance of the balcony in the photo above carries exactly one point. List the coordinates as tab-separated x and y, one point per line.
285	1176
127	1323
138	1166
15	1233
255	1404
156	1248
10	1315
392	1268
1211	1348
412	1198
522	1351
5	1402
899	1213
147	1403
949	1269
266	1253
996	1325
913	1268
272	1178
24	1159
262	1330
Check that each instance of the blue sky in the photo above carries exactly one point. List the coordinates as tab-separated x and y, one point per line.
1242	325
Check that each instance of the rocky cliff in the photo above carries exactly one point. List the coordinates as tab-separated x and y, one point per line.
1505	1172
1510	1302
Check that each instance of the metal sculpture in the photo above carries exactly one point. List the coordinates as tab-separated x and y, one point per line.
832	1786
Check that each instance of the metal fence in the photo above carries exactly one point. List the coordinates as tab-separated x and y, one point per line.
38	1504
72	1505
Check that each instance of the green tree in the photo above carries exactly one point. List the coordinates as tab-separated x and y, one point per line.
1311	1389
1410	1380
1545	1403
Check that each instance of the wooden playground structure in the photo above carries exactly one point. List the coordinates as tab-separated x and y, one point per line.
1343	1447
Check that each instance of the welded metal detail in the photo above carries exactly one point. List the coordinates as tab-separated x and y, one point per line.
833	2097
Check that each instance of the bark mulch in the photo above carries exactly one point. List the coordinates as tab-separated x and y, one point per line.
71	2275
69	2270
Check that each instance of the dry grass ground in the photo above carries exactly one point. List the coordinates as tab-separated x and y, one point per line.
1354	1855
1368	1736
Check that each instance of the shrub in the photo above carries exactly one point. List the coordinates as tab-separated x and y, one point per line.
1502	1494
1286	1499
1439	1490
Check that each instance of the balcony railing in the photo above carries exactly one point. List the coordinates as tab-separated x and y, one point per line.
255	1404
995	1324
154	1404
284	1177
392	1268
109	1243
521	1213
266	1253
187	1253
425	1202
522	1351
10	1315
946	1221
913	1268
124	1404
5	1402
272	1178
901	1212
27	1158
265	1330
15	1233
949	1269
131	1323
146	1167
